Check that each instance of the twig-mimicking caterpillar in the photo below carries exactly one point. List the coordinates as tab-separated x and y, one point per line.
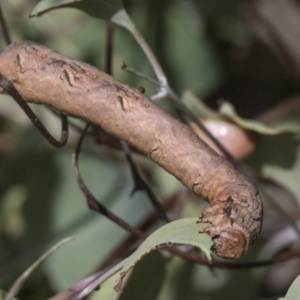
44	76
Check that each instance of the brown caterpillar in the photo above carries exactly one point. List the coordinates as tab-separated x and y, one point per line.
44	76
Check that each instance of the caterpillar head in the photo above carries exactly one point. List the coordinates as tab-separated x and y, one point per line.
230	243
234	226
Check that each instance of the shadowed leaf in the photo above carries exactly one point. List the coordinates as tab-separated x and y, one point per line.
102	9
180	232
227	110
147	287
2	295
22	278
227	113
294	291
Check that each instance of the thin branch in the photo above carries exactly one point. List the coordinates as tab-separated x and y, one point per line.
192	256
138	74
4	28
77	288
92	202
162	93
123	248
286	108
141	185
9	88
159	95
147	50
109	47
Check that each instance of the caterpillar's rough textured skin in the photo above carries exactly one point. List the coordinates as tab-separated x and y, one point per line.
44	76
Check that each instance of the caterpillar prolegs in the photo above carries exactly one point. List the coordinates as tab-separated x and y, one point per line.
235	212
74	88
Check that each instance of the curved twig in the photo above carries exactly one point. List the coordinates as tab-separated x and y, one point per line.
92	202
9	88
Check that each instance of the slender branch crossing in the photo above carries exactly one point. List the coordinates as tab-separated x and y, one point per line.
74	88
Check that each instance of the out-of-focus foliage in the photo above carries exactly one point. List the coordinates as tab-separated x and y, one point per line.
293	292
176	232
219	50
228	111
101	9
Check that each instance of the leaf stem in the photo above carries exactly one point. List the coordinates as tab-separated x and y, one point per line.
9	88
123	19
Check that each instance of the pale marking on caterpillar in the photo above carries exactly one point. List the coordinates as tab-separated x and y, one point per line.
120	98
74	88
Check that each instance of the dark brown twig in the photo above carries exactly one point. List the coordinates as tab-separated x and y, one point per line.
109	47
192	256
141	185
92	202
286	108
9	88
4	28
168	204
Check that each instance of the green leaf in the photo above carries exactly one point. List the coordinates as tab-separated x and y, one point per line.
198	106
147	287
189	281
180	232
2	295
24	276
294	290
102	174
228	111
112	10
102	9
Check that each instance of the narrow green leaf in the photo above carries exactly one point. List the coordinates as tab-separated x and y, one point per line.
121	18
2	295
102	9
228	111
294	290
180	232
23	277
198	106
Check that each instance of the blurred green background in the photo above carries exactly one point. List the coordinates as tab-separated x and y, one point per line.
245	52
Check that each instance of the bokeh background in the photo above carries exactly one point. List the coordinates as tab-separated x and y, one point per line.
245	52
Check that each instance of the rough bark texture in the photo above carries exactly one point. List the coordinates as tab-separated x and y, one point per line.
44	76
